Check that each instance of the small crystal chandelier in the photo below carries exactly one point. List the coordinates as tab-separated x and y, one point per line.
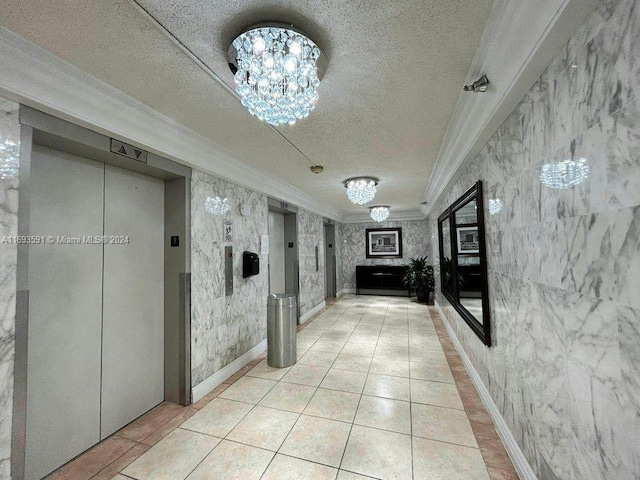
217	205
361	190
565	174
379	213
9	159
277	70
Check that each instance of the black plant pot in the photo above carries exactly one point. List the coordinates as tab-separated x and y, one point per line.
430	297
425	297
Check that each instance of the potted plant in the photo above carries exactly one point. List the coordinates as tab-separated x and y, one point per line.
420	279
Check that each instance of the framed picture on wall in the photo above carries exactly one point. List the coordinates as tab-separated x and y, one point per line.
384	242
468	240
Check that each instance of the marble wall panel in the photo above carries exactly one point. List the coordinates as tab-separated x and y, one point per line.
415	241
225	327
563	264
311	275
9	163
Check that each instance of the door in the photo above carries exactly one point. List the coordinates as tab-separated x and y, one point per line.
330	260
291	265
65	310
276	253
96	311
133	317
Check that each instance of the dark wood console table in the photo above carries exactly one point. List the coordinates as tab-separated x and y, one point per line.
380	277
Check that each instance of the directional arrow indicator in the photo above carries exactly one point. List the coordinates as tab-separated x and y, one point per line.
128	151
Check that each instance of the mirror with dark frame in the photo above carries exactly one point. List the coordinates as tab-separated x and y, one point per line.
463	265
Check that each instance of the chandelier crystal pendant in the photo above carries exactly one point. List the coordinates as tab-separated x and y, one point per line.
217	205
379	213
277	70
565	174
361	190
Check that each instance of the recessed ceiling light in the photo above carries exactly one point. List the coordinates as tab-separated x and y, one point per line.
277	70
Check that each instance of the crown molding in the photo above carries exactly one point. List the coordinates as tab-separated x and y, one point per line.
518	43
37	78
394	216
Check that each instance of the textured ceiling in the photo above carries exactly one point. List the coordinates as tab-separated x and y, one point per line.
395	71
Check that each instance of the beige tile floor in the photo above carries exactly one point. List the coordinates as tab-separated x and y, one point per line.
378	392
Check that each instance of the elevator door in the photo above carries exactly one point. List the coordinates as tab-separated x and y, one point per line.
276	253
95	339
133	326
65	310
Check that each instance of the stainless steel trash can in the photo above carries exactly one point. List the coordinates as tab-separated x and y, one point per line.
281	330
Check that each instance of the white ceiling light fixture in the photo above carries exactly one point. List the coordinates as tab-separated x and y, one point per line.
217	205
277	70
361	190
379	213
565	174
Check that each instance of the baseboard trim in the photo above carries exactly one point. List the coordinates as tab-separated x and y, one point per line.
348	290
343	292
208	384
525	472
306	316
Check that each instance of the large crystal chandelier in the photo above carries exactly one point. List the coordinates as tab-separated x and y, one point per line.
277	71
379	213
361	190
565	174
217	205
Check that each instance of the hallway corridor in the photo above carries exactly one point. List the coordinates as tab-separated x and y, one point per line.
378	392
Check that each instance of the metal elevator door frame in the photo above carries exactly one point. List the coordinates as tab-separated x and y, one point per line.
329	238
49	131
292	265
277	249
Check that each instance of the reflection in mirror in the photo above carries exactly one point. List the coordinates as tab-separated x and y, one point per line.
495	206
565	174
468	259
447	264
468	212
462	261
